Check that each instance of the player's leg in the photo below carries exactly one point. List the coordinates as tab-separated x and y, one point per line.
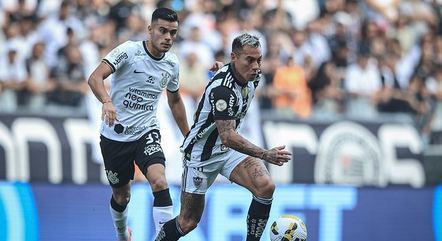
119	171
252	174
195	183
192	207
151	161
118	209
162	210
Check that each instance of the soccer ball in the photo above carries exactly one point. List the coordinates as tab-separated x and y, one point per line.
288	228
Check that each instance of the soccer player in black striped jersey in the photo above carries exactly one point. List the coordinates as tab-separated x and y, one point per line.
213	145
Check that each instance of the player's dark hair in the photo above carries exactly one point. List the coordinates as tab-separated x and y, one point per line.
243	40
165	14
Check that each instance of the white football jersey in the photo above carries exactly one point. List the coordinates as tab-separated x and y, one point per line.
137	83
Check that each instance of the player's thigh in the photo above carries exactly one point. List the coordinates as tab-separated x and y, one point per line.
157	177
150	152
252	174
118	161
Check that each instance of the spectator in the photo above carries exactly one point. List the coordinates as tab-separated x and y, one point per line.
205	55
38	83
13	79
120	12
70	79
326	90
361	83
292	93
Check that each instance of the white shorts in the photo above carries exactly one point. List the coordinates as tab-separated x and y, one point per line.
198	179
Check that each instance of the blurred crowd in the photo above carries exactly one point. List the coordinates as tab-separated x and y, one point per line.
366	59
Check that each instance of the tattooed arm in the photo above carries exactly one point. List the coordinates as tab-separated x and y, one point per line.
231	138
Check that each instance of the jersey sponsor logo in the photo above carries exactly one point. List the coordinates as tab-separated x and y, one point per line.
133	100
112	177
137	106
152	148
231	105
133	130
118	128
142	93
221	105
120	58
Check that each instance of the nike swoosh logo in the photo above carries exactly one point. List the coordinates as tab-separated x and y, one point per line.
161	222
138	72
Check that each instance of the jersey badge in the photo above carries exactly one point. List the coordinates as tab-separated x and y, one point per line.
112	177
164	80
244	92
197	181
221	105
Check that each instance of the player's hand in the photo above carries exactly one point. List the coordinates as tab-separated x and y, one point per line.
108	114
277	156
216	66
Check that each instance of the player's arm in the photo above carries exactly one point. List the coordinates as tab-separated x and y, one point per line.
176	105
230	138
96	83
224	102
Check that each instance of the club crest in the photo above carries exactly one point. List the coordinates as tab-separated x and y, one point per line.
164	79
197	181
112	177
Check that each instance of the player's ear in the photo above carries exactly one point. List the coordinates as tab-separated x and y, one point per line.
149	29
233	55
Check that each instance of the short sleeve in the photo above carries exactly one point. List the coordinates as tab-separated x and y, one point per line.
173	84
223	101
118	56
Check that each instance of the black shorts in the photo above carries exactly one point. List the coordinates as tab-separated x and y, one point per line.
119	156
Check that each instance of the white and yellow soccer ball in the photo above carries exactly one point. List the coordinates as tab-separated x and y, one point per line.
288	228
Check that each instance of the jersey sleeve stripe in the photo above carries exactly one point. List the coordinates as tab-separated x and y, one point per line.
110	64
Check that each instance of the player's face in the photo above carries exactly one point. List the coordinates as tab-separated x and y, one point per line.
247	62
162	34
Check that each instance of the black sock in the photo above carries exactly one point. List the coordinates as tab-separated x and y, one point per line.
170	231
257	217
117	207
162	198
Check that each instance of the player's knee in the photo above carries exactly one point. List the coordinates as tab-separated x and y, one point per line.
122	198
266	188
188	224
158	184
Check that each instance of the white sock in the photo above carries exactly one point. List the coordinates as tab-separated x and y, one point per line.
120	219
161	215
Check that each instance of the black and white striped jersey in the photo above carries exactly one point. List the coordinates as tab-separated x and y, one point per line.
224	99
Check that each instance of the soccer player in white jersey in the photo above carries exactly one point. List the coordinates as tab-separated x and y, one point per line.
130	130
213	145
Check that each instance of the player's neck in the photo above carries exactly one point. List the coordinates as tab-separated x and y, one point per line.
153	51
241	81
